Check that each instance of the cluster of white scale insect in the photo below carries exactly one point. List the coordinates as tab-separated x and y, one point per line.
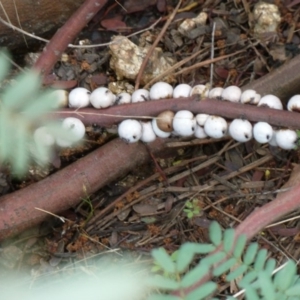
181	123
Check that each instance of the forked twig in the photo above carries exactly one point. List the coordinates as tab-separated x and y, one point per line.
66	34
151	49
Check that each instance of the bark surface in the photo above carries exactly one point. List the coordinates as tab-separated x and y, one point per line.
36	17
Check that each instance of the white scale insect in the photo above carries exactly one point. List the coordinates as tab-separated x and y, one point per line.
184	123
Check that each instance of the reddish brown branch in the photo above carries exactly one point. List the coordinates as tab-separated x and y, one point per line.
270	212
67	187
210	106
66	34
150	51
282	82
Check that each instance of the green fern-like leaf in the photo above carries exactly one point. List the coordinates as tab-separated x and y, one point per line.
164	260
240	246
248	278
260	260
270	265
254	267
215	233
250	254
284	278
22	110
214	258
163	283
225	266
162	297
228	240
194	275
204	248
293	291
185	256
202	292
238	272
251	293
266	286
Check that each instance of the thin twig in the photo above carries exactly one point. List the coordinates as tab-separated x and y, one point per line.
174	67
207	62
212	55
72	45
62	38
19	22
150	51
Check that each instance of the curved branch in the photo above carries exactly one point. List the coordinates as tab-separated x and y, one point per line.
66	34
115	114
282	82
68	186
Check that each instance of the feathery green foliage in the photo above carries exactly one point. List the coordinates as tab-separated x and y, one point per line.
248	266
22	109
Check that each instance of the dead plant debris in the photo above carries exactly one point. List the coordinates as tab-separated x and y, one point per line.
174	198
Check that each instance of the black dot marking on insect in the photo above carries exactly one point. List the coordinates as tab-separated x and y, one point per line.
223	131
125	140
246	136
193	128
265	105
252	99
134	137
268	137
118	100
295	109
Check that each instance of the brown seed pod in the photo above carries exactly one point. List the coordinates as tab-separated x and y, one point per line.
165	121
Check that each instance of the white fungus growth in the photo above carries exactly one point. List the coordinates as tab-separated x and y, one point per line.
184	123
232	93
76	130
140	95
161	90
201	119
270	101
294	104
240	130
215	127
286	139
199	130
148	134
216	93
159	132
130	130
272	141
79	97
123	98
182	90
200	89
102	97
250	96
262	132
